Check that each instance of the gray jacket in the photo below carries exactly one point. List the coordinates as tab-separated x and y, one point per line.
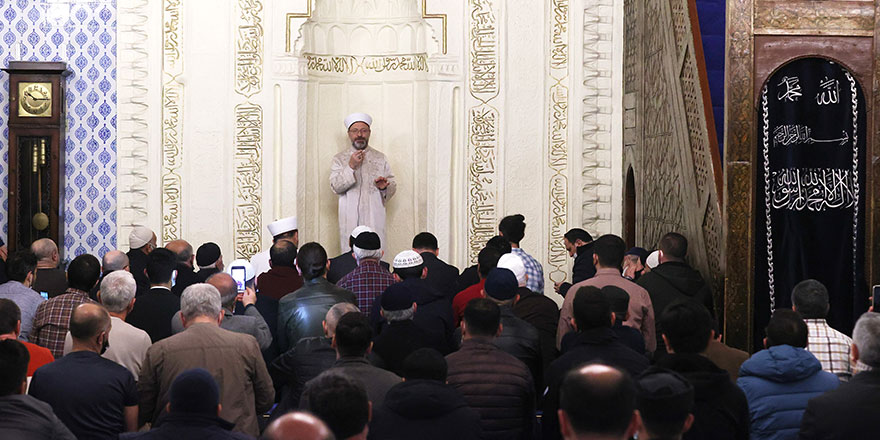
251	323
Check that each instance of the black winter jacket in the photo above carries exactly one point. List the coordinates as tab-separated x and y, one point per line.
302	363
426	410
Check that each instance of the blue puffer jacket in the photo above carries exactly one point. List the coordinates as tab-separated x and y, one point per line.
778	382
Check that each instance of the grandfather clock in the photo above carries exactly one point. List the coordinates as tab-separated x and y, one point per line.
36	152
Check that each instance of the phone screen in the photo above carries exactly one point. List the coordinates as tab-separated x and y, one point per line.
45	295
876	293
239	274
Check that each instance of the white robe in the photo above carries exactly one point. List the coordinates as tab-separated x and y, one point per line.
360	202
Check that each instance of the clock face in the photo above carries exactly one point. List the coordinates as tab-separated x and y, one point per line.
34	99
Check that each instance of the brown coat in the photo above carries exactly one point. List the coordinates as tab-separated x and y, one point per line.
233	359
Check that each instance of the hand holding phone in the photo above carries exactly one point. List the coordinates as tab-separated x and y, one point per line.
239	274
875	300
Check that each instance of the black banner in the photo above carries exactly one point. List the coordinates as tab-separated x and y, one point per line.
810	190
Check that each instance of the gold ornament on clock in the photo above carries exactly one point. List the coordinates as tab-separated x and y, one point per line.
35	99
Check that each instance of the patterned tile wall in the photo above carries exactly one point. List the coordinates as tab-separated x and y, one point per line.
83	34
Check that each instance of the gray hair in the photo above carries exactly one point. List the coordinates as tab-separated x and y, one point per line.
114	260
866	337
44	248
399	315
117	290
363	254
336	312
200	300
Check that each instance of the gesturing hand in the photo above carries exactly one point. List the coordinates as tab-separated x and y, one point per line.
381	183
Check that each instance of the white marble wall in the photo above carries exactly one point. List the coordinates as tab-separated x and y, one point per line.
541	148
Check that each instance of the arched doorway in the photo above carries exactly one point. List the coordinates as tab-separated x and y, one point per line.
629	209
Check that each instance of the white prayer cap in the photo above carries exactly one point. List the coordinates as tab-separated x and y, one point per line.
279	227
408	258
139	237
653	259
357	117
249	272
515	264
358	230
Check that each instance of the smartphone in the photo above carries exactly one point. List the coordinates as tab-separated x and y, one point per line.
45	295
239	274
876	294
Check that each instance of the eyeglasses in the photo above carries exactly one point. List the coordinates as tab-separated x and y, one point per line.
361	131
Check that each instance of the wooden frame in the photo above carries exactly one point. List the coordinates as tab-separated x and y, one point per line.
849	34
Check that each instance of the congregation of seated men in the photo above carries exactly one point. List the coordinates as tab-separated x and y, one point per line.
174	342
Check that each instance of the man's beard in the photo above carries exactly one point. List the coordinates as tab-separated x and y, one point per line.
359	144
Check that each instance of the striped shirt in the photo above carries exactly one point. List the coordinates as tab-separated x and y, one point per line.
831	347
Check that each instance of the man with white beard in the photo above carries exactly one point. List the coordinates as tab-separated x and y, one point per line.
362	178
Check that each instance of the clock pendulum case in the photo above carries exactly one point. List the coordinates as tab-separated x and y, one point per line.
36	152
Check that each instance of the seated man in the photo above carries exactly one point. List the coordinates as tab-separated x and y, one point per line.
21	270
779	380
154	309
50	278
831	347
93	396
721	410
352	343
341	402
305	361
441	275
595	342
193	411
368	280
128	344
234	359
401	336
10	328
249	323
852	410
300	313
53	316
628	336
496	384
282	277
665	400
424	406
298	425
487	260
597	402
22	416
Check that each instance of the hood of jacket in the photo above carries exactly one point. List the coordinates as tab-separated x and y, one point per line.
682	277
423	399
782	363
708	380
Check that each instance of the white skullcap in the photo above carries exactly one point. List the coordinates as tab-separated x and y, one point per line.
514	264
249	272
406	259
357	117
279	227
653	259
139	237
358	230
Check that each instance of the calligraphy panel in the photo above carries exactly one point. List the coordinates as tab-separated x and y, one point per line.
810	204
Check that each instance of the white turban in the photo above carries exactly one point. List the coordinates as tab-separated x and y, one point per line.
357	117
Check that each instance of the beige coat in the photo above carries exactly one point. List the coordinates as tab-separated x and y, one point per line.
233	359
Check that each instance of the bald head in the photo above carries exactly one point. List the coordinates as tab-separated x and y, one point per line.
597	400
88	321
113	261
183	250
227	287
298	425
46	251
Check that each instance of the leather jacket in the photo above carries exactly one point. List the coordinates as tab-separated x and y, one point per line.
301	313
